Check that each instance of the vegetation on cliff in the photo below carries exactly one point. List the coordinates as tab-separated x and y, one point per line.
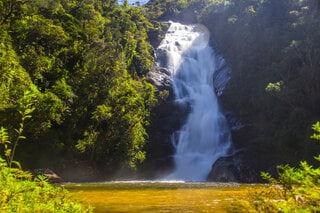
273	50
79	68
81	65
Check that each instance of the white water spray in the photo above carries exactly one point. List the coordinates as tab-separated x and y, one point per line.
205	136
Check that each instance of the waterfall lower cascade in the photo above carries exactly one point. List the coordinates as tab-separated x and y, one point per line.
205	136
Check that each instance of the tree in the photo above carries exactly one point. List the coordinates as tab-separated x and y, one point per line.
10	9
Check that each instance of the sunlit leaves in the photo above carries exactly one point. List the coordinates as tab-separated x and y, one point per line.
296	189
9	9
103	112
88	142
40	31
274	87
84	63
125	113
14	79
316	128
5	142
25	109
63	90
20	193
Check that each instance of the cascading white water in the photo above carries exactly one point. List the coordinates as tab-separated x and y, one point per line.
205	136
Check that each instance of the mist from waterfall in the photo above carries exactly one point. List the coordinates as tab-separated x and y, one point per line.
205	135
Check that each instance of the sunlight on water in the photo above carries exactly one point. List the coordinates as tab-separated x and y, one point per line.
145	196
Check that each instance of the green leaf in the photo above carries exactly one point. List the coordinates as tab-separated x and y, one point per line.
17	164
7	152
316	128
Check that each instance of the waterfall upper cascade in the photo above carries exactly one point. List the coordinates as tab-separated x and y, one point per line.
205	136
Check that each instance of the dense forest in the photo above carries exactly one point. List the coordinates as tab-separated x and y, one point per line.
77	70
74	90
77	96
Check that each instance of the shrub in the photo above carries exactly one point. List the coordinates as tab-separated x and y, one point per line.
19	192
295	190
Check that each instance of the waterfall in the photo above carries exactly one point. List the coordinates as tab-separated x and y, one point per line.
205	135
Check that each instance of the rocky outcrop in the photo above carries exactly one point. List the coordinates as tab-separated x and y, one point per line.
221	76
49	174
160	78
167	118
235	168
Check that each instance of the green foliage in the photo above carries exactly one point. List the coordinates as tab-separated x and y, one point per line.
10	9
85	63
270	41
14	80
181	9
19	193
295	190
316	128
274	87
118	124
25	111
11	73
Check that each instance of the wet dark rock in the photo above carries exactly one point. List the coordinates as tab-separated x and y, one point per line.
162	57
221	76
160	78
167	118
235	168
48	173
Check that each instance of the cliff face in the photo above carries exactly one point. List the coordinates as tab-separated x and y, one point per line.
273	91
269	79
167	117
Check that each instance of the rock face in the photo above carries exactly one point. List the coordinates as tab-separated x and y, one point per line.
223	170
48	173
249	158
160	78
167	118
235	168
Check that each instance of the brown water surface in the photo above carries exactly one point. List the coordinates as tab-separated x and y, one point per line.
160	196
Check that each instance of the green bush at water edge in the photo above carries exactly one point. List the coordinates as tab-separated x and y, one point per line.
19	193
295	190
19	190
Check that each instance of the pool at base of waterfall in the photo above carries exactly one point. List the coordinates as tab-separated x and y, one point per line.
149	196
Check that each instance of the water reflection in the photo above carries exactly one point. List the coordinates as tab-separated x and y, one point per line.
150	196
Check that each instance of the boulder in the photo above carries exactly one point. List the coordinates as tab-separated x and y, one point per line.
160	78
48	173
234	168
